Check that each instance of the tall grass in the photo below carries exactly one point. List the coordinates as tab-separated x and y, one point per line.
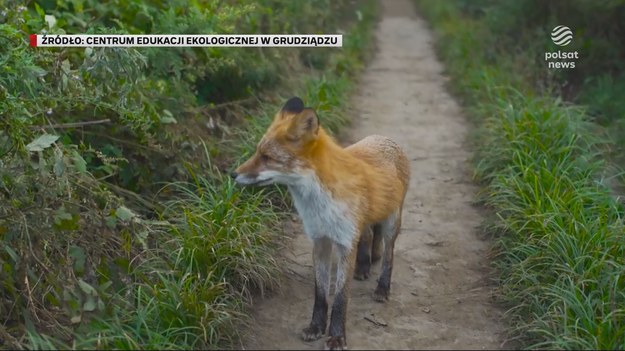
560	247
192	293
561	250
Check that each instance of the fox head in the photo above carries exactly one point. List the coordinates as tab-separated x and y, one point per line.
282	154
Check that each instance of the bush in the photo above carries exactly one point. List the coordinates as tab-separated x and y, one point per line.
117	229
541	161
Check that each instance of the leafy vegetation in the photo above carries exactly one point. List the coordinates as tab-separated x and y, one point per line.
118	228
544	137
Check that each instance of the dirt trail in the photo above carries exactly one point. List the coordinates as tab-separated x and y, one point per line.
440	294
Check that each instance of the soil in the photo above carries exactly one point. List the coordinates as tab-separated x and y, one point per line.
441	292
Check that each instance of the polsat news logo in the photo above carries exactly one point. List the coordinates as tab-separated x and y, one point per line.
562	36
186	40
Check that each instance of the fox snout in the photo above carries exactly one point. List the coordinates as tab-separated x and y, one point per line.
252	172
259	179
244	179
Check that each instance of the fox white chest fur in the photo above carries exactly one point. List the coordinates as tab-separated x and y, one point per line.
321	214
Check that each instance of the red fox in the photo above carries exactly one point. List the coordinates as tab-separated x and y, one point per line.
349	199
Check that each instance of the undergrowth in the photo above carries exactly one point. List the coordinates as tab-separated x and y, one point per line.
126	233
542	163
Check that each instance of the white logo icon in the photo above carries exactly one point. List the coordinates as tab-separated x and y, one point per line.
561	35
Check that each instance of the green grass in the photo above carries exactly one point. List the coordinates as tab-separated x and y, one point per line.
213	246
561	251
559	232
191	294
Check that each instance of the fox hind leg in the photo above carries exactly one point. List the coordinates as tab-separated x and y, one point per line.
376	245
363	255
389	229
369	251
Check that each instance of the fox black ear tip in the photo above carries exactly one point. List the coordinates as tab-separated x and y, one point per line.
295	98
294	104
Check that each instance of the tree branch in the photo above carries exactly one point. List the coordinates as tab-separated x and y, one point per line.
72	125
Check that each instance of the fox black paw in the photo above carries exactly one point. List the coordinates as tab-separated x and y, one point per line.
311	333
361	273
336	343
381	294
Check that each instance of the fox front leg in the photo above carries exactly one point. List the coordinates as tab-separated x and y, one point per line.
322	261
344	273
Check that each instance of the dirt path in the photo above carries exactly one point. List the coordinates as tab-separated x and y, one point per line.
440	295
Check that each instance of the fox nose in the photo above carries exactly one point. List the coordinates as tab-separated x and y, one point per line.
234	175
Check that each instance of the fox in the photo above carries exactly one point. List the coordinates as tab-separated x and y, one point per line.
349	199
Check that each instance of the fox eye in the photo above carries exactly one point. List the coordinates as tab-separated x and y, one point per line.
264	158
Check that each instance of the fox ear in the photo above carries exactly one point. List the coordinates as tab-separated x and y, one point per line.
293	106
305	124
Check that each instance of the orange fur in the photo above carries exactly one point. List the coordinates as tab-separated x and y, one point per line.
371	175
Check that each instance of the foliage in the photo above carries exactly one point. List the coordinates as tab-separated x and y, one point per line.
559	229
117	228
